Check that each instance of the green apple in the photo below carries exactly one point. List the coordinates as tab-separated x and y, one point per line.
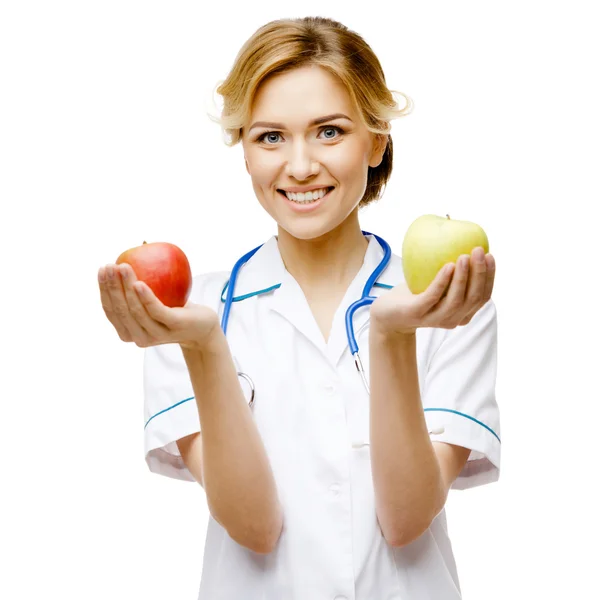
431	242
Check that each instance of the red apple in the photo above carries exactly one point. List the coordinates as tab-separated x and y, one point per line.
164	268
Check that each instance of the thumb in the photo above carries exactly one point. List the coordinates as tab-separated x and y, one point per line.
436	289
189	304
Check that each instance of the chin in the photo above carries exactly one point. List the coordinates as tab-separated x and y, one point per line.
306	231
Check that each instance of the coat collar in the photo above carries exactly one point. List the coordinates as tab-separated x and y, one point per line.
265	276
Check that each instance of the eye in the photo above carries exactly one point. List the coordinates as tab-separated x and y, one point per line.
332	128
268	136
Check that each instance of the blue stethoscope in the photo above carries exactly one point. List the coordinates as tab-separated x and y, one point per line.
365	300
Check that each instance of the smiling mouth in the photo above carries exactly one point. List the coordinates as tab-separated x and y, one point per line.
327	190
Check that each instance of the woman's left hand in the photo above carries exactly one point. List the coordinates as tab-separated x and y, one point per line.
468	286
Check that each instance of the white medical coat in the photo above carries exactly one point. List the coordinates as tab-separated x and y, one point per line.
312	412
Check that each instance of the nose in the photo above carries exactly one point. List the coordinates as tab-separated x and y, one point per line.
300	164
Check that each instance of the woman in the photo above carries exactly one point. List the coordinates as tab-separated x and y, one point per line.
317	489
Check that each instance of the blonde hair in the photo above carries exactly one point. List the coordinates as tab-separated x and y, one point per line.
287	44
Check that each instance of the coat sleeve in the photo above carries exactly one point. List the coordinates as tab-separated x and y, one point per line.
459	397
170	410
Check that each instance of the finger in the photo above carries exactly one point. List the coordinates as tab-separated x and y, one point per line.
453	304
475	297
106	281
121	307
491	276
434	292
144	328
489	286
161	314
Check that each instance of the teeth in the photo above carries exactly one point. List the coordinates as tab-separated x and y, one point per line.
305	198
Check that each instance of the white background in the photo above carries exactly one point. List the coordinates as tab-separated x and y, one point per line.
105	142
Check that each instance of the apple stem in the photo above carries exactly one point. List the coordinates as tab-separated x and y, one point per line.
448	216
144	242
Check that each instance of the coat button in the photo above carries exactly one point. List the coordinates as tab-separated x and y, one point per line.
330	389
334	489
359	444
437	430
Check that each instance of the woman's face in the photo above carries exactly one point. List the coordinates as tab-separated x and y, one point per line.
289	151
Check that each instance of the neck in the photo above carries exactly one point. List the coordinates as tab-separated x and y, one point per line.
333	259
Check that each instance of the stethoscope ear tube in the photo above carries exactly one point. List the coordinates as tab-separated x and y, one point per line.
361	370
366	298
231	286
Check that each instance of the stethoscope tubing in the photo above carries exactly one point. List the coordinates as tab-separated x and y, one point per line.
231	286
365	300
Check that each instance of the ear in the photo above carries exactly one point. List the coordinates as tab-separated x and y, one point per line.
379	145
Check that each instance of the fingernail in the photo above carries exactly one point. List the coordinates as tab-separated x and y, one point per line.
464	262
490	262
110	272
101	275
124	272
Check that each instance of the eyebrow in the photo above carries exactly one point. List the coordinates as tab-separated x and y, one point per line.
313	122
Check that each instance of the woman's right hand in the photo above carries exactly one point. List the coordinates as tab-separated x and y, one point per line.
140	317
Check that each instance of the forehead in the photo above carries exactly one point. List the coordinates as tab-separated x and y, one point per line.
300	95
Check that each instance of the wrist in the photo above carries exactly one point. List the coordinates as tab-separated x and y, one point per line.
381	333
210	342
382	330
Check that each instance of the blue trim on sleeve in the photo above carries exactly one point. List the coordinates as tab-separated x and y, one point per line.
463	415
240	298
166	409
